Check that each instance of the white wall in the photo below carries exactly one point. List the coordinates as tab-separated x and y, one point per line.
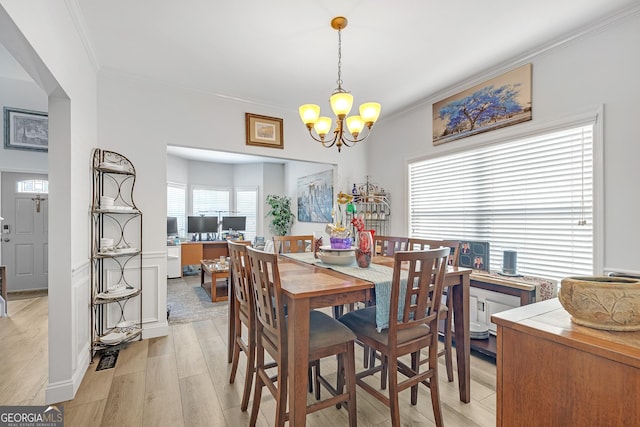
139	119
44	41
28	96
598	68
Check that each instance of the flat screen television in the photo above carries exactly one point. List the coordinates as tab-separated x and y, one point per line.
202	224
236	223
172	225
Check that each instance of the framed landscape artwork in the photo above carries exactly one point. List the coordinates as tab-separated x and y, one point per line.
497	103
25	129
315	197
264	131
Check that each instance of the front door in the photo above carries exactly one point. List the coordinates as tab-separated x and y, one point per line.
24	230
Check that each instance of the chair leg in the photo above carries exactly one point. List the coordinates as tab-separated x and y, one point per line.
415	366
248	378
257	395
434	387
349	375
448	333
234	360
393	390
340	374
383	373
316	379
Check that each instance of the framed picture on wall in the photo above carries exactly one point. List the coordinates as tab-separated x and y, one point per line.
264	131
25	129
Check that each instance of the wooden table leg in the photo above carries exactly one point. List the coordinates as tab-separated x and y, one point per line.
214	288
460	295
298	341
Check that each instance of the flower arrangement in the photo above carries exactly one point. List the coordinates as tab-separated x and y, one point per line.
338	232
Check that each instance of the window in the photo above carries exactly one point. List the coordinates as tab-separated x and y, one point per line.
33	186
532	195
210	201
176	205
246	205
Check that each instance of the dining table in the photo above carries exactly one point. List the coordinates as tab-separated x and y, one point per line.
308	285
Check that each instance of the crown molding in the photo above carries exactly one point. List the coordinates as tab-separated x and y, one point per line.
79	22
596	26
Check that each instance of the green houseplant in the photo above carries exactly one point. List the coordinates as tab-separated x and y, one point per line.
282	217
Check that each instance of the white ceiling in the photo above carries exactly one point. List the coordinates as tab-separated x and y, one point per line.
283	53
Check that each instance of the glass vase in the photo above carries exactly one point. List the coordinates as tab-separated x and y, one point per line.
364	251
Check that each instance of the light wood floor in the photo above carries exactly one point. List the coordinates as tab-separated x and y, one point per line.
182	380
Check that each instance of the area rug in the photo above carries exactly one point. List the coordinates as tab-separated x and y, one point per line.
188	302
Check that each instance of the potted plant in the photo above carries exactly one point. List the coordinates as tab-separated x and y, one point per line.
281	212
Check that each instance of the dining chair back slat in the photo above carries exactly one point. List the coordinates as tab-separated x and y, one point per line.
388	245
447	309
293	244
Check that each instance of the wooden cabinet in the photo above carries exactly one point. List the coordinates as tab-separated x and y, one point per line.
194	252
552	372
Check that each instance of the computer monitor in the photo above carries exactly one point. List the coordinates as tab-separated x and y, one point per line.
172	225
236	223
202	224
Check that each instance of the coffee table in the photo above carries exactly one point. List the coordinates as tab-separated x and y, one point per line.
217	271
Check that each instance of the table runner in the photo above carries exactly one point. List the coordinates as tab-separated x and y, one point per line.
380	275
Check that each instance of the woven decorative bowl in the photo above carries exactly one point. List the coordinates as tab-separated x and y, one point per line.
601	302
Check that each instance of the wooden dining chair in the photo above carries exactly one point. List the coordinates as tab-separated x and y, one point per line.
244	314
388	245
414	329
446	310
327	337
293	244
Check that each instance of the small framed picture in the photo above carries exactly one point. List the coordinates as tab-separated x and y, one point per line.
26	130
474	255
264	131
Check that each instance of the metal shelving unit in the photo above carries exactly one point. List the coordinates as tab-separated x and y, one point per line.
116	271
374	202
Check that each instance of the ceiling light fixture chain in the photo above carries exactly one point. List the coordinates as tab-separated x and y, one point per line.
341	102
339	81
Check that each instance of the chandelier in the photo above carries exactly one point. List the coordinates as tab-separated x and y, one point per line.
341	102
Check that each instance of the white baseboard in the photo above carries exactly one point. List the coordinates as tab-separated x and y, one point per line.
62	391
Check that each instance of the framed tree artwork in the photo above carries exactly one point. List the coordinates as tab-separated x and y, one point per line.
502	101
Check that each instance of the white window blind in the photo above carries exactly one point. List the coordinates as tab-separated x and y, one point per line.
246	205
210	201
176	205
532	195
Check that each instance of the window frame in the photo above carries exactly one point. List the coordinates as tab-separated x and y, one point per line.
528	130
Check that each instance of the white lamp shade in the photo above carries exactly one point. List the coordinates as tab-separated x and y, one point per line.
341	103
370	111
323	126
355	125
309	113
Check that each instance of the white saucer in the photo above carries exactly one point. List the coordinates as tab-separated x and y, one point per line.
113	337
